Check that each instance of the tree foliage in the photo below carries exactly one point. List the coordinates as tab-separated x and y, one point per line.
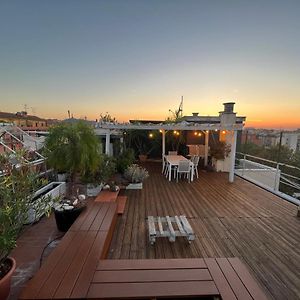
73	148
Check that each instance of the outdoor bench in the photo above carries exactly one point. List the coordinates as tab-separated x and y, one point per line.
69	269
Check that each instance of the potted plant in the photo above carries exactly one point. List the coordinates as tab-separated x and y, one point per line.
16	194
96	180
67	210
73	148
135	174
219	150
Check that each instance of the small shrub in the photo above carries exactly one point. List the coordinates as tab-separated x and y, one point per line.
136	173
124	160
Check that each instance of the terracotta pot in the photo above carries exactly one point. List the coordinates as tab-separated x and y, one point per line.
5	281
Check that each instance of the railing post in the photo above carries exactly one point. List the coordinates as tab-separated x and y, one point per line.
277	178
244	164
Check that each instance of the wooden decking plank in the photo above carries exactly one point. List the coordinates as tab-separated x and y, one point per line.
82	217
70	278
83	282
37	282
152	275
152	289
233	279
121	200
149	264
220	280
53	281
107	196
99	219
91	216
110	215
248	280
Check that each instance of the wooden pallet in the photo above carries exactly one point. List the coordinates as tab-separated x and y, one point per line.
170	227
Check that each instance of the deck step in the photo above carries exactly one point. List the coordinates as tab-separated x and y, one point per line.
107	196
121	201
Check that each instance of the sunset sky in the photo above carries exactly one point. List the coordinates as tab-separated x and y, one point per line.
135	59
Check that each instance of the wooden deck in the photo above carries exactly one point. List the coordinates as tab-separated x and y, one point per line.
230	220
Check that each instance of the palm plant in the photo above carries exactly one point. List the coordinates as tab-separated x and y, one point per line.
73	148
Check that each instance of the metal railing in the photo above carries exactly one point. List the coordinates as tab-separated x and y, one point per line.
279	178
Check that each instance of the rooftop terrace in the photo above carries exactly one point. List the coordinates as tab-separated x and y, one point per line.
230	220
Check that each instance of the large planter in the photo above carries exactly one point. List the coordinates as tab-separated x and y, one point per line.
92	190
53	190
64	219
134	186
6	280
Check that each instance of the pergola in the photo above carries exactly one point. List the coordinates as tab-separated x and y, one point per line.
231	132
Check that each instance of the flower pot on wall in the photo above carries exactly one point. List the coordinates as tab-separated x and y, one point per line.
6	280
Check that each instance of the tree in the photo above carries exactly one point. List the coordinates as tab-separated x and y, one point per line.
73	148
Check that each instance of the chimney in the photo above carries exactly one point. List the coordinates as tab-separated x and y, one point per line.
228	107
195	114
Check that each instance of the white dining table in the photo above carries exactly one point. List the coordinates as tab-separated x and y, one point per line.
173	160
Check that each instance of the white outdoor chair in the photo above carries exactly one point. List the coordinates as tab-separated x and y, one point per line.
195	162
172	153
184	167
165	166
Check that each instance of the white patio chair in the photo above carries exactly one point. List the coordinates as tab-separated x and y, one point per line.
165	166
172	153
184	167
195	165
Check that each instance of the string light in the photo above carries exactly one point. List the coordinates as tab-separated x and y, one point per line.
199	134
195	133
223	131
150	135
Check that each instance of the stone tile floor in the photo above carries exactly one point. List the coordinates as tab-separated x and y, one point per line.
31	246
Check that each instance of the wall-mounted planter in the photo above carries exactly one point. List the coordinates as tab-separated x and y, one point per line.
134	186
53	190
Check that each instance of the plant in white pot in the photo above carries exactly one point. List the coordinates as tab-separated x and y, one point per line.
73	148
219	150
16	195
96	180
135	174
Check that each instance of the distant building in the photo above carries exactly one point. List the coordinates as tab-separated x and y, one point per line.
269	138
23	120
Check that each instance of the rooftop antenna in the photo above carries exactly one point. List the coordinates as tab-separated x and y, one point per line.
69	114
25	107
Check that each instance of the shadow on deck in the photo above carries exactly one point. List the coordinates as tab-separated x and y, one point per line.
230	220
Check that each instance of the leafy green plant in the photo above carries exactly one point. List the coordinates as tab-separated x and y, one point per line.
105	169
73	148
136	173
17	188
219	150
124	160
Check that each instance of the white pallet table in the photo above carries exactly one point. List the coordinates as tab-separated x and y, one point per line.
170	227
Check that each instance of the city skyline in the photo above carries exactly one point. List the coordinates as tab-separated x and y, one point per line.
135	59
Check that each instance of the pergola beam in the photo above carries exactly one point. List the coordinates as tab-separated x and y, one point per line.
173	126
